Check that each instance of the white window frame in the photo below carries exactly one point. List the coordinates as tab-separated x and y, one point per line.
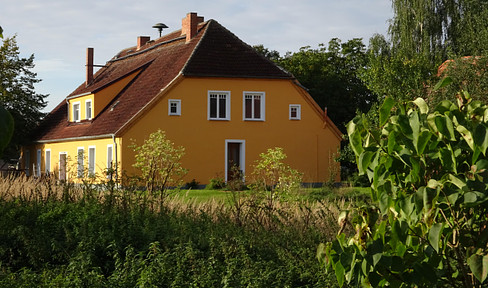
47	161
227	105
110	159
91	166
299	111
80	167
38	163
177	102
74	113
27	162
242	156
88	117
262	107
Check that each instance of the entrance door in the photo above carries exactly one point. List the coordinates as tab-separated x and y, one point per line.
234	166
62	166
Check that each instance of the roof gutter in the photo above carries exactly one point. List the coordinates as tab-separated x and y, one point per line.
76	138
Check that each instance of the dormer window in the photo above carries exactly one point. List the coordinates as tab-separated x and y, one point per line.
76	112
88	109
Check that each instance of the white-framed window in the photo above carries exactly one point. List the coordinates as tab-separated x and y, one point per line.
253	106
27	162
218	105
38	163
174	107
76	112
88	109
295	112
91	161
80	155
110	159
47	161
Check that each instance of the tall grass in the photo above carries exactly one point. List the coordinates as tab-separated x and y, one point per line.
64	235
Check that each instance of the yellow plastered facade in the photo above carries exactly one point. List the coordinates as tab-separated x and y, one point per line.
310	145
310	142
50	161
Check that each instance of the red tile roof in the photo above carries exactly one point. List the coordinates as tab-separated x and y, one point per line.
213	52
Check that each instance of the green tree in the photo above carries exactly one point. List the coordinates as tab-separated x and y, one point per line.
331	74
158	159
273	177
17	94
429	182
422	35
6	122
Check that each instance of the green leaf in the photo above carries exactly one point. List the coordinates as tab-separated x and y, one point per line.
356	142
466	135
443	83
423	140
364	161
481	137
456	181
479	266
405	127
385	110
424	109
435	233
445	127
339	272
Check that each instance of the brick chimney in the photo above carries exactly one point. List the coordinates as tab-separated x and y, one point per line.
89	66
189	25
142	40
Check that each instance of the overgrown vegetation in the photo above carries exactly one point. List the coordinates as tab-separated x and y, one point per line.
82	236
427	224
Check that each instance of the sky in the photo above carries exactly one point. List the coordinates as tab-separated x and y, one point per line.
58	32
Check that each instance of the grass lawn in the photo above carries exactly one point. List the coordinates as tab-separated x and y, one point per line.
204	195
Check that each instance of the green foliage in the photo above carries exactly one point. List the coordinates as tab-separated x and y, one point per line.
6	128
331	75
17	94
427	224
274	177
216	183
49	242
462	74
159	162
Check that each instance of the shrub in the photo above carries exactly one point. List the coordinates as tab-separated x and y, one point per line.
427	224
216	184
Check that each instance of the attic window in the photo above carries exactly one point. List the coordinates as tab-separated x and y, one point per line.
295	113
174	107
88	109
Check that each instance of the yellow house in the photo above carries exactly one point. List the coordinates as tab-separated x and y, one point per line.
210	92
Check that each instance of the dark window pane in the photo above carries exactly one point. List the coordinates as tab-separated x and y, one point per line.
222	112
248	107
257	107
293	112
213	107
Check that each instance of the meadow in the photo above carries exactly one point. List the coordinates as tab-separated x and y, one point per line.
65	235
